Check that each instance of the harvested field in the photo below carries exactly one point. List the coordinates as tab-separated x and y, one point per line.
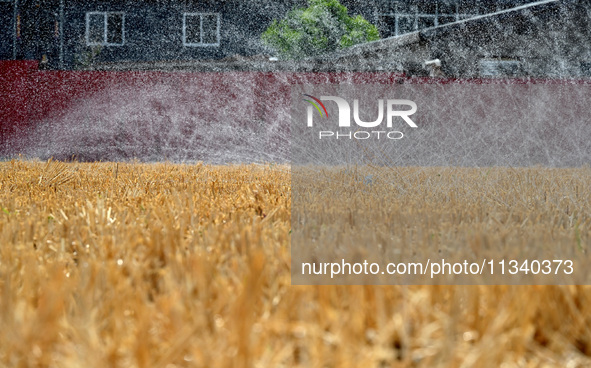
165	265
396	215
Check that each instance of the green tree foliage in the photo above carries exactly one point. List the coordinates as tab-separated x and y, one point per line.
323	27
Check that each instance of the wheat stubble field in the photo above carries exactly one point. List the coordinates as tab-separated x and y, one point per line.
164	265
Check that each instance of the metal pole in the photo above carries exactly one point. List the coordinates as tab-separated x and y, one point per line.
61	34
14	29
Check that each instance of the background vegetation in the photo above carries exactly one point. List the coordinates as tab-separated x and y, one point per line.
323	27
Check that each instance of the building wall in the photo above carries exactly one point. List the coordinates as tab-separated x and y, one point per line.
548	40
245	117
397	17
154	32
6	29
553	40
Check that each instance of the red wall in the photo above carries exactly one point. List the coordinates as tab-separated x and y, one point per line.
28	96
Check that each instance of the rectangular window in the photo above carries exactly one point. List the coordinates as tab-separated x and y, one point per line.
407	8
105	28
427	7
447	8
115	28
387	26
426	22
406	25
412	15
201	29
95	28
468	7
586	69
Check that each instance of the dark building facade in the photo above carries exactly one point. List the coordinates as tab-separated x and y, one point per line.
74	33
398	17
543	39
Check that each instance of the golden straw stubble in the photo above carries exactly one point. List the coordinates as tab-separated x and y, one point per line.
170	265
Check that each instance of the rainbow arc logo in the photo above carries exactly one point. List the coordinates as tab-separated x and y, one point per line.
316	104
